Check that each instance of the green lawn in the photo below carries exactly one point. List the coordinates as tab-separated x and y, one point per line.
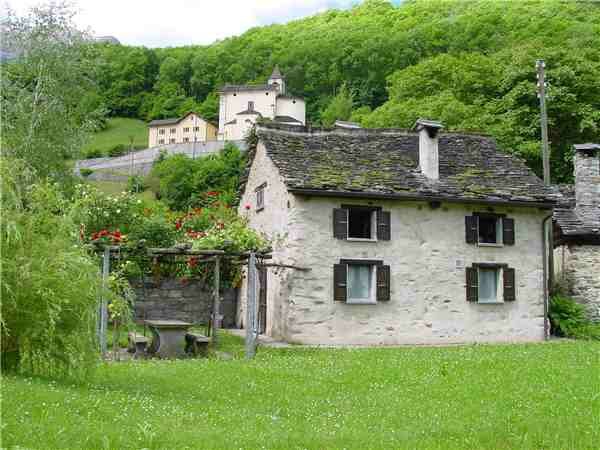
543	396
118	131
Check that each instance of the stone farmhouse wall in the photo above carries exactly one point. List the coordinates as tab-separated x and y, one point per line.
427	255
581	272
173	299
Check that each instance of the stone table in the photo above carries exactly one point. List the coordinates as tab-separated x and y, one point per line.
169	337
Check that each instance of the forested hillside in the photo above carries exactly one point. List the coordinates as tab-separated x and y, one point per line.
470	64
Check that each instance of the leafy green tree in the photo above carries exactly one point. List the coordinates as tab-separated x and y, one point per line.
49	98
340	107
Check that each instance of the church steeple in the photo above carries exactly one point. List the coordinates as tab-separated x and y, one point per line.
277	79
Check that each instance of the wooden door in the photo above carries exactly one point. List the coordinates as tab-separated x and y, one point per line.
262	300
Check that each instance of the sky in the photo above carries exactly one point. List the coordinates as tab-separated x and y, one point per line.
165	23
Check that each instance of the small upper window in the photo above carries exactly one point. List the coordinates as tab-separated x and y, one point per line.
173	130
490	230
196	128
186	130
260	197
250	106
360	223
161	131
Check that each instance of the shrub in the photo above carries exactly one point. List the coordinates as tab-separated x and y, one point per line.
117	150
568	319
93	153
50	285
135	184
85	172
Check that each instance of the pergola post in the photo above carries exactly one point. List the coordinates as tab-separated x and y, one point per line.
216	302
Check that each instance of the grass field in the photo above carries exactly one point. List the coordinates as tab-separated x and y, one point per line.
543	396
118	131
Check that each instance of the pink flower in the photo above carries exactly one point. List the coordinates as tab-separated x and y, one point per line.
247	206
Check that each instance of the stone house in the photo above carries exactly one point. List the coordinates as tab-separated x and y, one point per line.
188	128
577	231
241	105
410	237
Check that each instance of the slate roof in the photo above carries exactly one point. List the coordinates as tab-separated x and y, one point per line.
571	224
247	87
173	121
383	163
250	112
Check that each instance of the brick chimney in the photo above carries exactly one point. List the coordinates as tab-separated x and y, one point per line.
429	159
587	183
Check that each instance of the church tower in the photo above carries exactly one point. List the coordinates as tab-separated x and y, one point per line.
276	79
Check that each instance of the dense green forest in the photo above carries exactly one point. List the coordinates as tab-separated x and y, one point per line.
469	63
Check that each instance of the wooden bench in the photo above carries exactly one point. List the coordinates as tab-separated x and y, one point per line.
196	344
137	344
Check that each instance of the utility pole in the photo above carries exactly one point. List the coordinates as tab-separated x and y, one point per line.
540	65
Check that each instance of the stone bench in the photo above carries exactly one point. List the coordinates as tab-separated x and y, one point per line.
196	344
137	344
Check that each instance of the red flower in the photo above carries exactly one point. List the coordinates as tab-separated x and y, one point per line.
247	206
178	225
220	225
212	193
192	262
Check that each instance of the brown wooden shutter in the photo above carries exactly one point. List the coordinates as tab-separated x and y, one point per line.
508	231
383	283
509	284
383	225
471	229
472	284
339	282
340	223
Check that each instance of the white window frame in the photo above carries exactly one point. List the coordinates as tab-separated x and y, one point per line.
499	286
373	237
499	233
372	298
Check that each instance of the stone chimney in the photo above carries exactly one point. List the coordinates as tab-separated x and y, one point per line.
429	159
587	183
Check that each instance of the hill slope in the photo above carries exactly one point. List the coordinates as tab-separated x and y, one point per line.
118	131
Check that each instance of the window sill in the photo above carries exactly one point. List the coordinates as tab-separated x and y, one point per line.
360	240
360	301
495	302
485	244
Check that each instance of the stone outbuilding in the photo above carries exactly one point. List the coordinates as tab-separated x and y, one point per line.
577	231
409	237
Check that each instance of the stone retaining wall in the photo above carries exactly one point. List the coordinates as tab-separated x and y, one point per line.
173	299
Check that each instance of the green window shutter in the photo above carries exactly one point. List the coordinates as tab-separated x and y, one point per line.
340	223
472	284
339	282
471	230
508	231
383	283
508	276
384	232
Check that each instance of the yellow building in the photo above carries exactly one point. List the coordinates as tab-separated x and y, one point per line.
188	128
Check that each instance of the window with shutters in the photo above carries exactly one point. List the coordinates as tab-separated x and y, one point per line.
161	131
186	129
161	141
260	197
361	223
490	283
173	130
486	229
361	281
186	139
172	141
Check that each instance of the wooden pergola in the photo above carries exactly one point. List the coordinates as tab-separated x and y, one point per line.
202	256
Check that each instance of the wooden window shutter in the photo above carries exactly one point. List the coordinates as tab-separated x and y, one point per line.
471	230
472	284
508	231
383	283
339	282
508	276
340	223
383	225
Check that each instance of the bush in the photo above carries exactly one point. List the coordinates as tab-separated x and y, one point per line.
117	150
568	319
135	184
85	172
93	153
50	285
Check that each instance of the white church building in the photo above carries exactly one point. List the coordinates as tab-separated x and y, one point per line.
241	105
